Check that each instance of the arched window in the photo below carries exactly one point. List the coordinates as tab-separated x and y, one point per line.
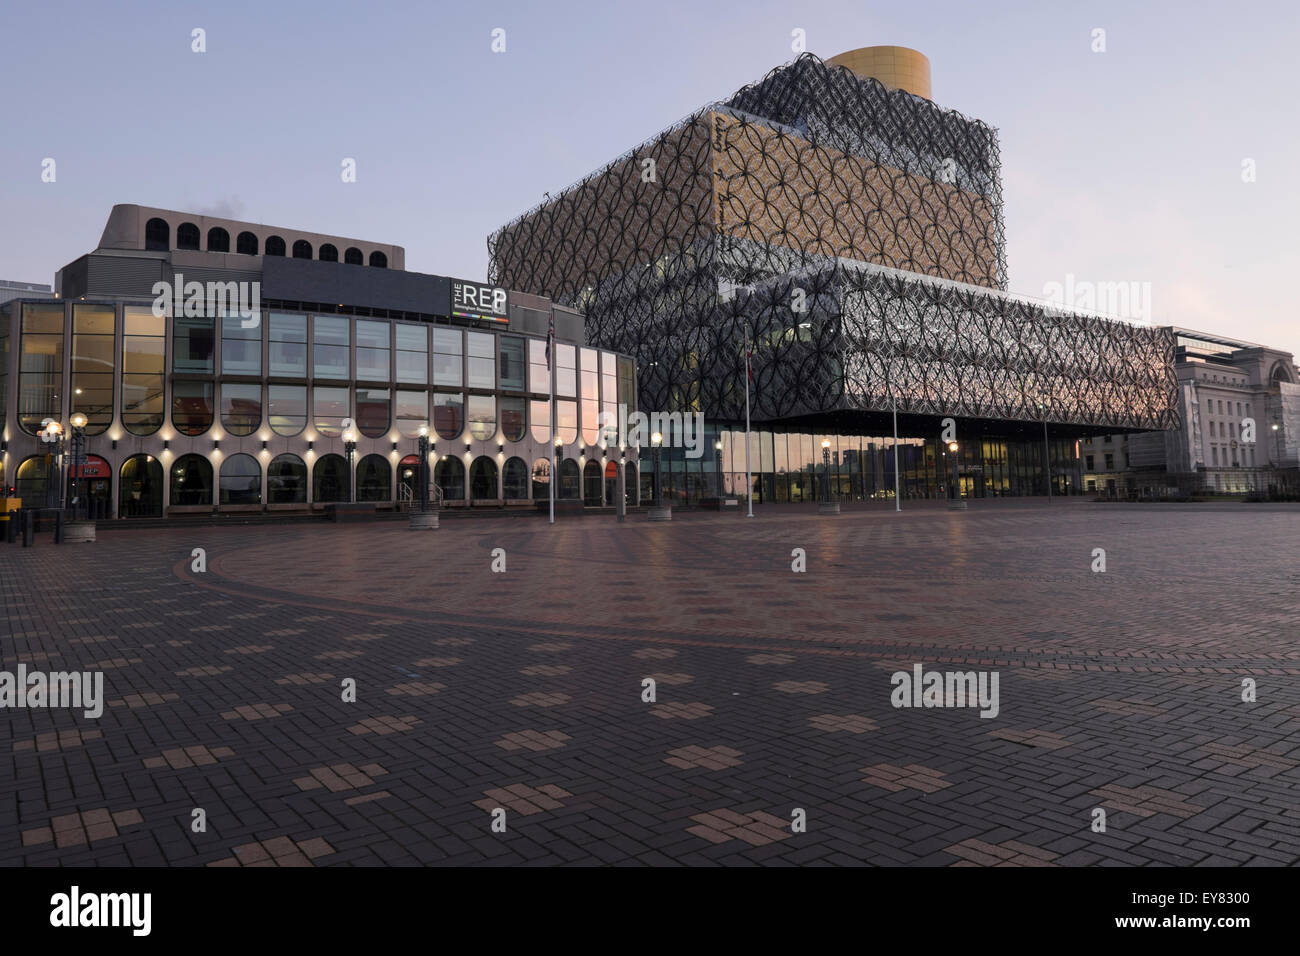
191	481
330	479
274	246
329	253
512	419
241	408
373	411
140	491
378	260
483	479
541	479
286	408
157	235
570	485
449	475
374	475
218	240
241	481
448	415
187	236
353	257
192	407
302	249
514	479
286	480
32	483
246	244
482	417
591	489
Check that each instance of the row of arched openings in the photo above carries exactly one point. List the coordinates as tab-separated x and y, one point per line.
239	481
157	237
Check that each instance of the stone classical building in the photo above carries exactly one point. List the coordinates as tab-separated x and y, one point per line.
1240	433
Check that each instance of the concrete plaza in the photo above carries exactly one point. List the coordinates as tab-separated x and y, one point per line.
522	690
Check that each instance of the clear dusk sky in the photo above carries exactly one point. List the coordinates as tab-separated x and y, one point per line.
1122	166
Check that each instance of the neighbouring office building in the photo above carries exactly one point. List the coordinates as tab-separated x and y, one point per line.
315	396
1226	389
852	231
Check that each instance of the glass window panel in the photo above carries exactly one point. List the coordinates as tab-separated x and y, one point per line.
331	330
241	481
93	365
192	407
286	408
288	344
329	408
565	374
590	421
539	375
413	354
512	419
286	480
482	360
373	335
372	411
43	318
241	408
539	413
193	345
447	357
372	364
448	415
142	370
512	362
482	416
411	409
566	414
241	348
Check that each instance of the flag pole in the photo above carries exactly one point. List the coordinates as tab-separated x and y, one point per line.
749	480
554	432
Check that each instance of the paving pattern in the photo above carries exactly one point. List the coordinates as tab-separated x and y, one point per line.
368	695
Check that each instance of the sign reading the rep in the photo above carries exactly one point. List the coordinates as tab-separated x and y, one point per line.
474	301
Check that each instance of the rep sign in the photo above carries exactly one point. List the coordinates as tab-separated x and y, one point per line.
474	301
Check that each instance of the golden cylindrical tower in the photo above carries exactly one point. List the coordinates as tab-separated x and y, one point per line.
897	66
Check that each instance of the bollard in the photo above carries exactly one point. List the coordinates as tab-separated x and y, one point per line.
29	531
58	527
11	527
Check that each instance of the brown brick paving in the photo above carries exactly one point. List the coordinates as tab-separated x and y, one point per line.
1122	693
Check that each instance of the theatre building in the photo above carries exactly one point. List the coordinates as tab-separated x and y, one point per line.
306	385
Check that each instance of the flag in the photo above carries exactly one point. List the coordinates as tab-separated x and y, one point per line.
550	337
749	353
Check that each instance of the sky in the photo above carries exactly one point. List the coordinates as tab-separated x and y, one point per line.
1130	164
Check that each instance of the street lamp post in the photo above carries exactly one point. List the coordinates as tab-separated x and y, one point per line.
78	422
955	500
1047	455
424	519
717	454
826	506
660	511
422	476
350	445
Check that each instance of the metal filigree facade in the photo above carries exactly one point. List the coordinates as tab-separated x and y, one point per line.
857	231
